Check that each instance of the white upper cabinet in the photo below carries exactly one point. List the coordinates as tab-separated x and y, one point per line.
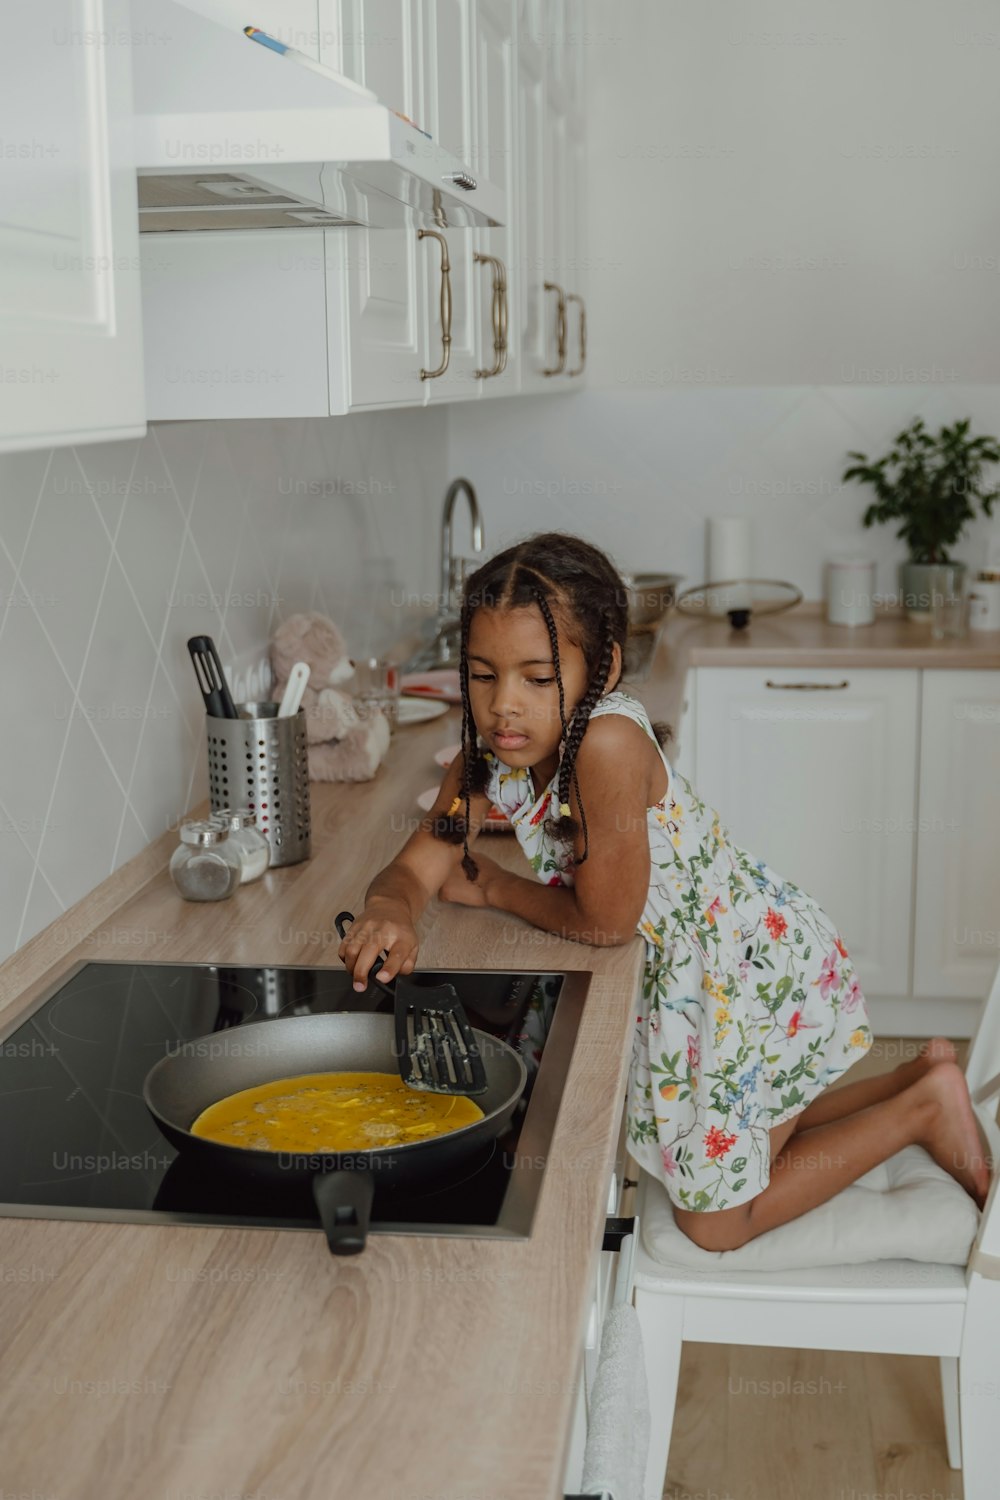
533	315
496	124
409	315
957	941
378	43
449	110
813	770
69	258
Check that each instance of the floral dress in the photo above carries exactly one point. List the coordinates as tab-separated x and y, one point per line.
749	1005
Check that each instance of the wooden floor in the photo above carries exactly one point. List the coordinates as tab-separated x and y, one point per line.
807	1424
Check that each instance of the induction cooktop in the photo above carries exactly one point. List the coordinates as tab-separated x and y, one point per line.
81	1144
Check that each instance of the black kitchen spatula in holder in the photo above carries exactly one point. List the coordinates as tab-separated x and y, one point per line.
435	1047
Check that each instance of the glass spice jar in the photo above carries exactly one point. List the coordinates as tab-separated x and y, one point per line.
252	845
206	865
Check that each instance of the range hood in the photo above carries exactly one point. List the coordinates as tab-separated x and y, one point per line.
229	135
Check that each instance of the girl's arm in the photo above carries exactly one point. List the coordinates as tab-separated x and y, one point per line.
606	901
399	893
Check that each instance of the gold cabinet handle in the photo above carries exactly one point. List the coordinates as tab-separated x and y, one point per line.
445	304
499	314
503	316
560	364
583	334
807	687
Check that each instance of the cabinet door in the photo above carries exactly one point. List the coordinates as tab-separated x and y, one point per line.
234	325
819	781
534	310
69	238
449	110
496	106
378	43
957	944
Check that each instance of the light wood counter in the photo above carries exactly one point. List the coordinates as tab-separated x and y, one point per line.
187	1362
183	1362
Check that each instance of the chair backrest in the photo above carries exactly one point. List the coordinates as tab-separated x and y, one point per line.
982	1074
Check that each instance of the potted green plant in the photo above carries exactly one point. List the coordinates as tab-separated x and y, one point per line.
931	485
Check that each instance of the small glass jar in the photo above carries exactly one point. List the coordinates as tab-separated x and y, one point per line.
206	865
251	845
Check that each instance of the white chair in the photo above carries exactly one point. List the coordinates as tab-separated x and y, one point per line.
901	1306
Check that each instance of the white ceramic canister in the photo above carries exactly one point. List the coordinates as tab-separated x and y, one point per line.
984	604
850	590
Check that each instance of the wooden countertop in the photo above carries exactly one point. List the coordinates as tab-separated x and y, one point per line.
802	637
189	1361
175	1361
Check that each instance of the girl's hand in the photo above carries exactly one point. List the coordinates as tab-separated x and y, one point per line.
464	892
382	925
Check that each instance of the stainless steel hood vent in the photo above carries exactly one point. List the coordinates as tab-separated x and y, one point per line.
230	136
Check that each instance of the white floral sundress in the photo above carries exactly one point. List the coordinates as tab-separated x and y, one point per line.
749	1006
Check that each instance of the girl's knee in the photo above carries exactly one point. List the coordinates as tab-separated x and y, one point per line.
724	1229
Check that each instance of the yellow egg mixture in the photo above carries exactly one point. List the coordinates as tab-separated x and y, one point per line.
333	1112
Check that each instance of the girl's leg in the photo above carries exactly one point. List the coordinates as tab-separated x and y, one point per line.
848	1098
816	1163
935	1112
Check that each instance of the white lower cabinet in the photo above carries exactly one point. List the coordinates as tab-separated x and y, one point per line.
876	792
813	770
957	928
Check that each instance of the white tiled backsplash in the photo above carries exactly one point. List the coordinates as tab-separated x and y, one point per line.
112	555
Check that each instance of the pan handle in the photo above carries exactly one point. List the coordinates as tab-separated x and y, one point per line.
344	1201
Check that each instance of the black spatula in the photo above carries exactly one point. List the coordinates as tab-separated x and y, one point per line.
211	679
435	1048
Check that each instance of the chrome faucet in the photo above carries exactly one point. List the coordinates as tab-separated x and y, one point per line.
445	648
450	576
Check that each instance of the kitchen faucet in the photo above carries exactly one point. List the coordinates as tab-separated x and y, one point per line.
450	574
444	649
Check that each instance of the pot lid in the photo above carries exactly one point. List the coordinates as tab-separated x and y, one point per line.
739	598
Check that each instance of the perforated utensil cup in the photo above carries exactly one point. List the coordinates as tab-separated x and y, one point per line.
261	762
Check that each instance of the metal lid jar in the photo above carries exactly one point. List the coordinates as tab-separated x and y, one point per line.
205	866
251	845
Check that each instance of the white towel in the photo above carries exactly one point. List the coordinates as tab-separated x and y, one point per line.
614	1460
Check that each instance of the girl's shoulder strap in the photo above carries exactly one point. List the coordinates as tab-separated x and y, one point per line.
618	701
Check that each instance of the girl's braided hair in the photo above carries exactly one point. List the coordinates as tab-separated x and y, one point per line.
555	571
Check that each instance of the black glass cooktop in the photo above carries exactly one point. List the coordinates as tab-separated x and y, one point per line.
80	1142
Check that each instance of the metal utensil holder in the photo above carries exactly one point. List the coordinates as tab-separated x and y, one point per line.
261	762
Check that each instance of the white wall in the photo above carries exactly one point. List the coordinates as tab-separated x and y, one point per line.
112	555
792	248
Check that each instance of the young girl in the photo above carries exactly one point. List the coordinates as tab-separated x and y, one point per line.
750	1005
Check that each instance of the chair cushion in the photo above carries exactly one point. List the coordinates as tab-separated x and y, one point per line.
906	1208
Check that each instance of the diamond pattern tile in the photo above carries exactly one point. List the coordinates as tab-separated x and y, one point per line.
65	561
113	554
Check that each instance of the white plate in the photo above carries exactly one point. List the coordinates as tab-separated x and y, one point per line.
442	682
445	757
418	710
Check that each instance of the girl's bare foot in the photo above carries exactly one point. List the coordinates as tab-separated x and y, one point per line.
953	1137
936	1050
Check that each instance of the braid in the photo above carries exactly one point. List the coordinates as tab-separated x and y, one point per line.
564	826
550	625
475	771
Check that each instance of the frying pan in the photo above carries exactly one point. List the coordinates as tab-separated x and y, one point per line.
210	1068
